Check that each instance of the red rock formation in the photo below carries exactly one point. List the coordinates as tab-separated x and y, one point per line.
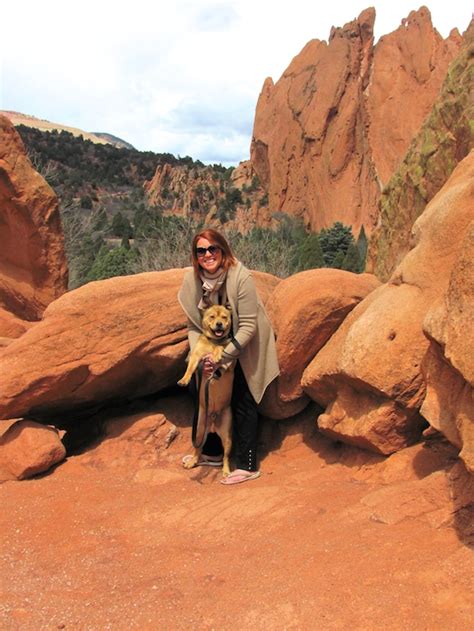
448	368
209	194
329	134
369	373
306	309
444	140
33	269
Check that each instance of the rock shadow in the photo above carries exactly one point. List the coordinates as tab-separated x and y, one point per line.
461	482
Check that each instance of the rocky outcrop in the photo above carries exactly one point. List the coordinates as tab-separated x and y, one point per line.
111	340
368	376
306	309
444	139
11	326
33	270
215	195
28	448
448	368
334	128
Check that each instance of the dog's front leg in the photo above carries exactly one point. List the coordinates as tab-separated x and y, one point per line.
189	463
192	365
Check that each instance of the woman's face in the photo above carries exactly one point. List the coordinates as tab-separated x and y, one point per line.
209	262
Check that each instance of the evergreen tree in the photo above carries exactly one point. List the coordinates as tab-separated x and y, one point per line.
309	254
362	245
121	226
338	260
351	261
334	240
110	263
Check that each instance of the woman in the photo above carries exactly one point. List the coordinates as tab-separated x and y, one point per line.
218	278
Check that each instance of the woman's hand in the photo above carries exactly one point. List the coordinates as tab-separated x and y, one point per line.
208	366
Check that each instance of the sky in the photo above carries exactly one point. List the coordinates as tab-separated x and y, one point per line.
177	76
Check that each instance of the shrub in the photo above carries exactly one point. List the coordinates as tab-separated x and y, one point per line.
110	263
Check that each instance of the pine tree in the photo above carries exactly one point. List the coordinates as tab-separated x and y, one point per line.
338	260
109	263
121	226
362	245
309	254
351	261
333	240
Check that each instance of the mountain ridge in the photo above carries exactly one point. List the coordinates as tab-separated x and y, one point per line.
101	138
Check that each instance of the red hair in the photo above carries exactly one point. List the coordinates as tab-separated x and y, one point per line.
215	238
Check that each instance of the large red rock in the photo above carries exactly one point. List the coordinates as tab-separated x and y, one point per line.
33	270
369	373
306	309
448	368
28	448
330	133
115	339
11	326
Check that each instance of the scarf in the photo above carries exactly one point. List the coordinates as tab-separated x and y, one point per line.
211	285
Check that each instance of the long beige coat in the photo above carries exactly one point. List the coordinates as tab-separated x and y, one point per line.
251	327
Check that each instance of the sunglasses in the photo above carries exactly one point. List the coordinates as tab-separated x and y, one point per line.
212	249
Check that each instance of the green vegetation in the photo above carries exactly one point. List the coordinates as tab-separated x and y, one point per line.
79	163
162	242
115	262
112	229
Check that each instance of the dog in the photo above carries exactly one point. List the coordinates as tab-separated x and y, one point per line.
216	416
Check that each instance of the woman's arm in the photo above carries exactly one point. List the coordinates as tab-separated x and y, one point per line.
193	334
247	306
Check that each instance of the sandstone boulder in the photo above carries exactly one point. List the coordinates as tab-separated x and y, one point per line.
332	130
33	270
448	368
115	339
28	448
11	326
369	373
306	309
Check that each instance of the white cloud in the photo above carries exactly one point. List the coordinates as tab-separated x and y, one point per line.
181	77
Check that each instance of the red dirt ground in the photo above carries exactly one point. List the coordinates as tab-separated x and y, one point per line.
327	538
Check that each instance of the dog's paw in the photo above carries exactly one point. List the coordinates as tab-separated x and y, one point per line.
190	463
183	382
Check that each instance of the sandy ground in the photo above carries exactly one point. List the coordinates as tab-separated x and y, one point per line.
327	538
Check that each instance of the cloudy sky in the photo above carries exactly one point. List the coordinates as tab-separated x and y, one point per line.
178	76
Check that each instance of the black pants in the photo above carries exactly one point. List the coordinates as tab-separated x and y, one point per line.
245	426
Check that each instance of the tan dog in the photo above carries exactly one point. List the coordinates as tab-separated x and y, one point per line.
216	325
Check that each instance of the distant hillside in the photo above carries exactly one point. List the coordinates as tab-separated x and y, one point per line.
76	166
114	140
44	125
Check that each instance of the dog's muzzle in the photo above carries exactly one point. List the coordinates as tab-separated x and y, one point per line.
219	329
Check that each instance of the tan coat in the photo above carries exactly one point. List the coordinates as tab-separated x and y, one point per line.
251	327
